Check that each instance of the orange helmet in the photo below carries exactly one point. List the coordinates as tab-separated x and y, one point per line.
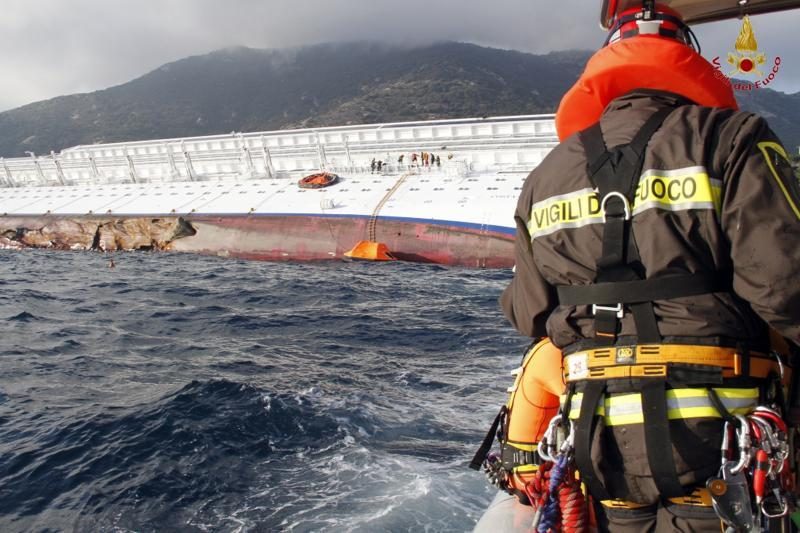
651	19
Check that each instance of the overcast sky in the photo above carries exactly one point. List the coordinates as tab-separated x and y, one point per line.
56	47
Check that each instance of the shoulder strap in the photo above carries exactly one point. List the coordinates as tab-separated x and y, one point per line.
615	174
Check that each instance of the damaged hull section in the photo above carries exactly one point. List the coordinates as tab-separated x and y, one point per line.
92	233
271	238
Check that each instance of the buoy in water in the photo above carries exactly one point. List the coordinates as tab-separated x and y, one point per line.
370	251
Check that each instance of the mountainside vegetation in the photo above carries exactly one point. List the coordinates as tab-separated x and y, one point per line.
243	89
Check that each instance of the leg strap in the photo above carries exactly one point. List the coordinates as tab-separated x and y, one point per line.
657	439
584	431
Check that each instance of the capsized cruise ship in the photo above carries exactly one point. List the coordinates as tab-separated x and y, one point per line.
237	195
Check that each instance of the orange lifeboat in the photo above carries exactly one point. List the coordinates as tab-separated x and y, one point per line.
318	180
370	251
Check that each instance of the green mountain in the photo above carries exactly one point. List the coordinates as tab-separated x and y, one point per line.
781	110
242	89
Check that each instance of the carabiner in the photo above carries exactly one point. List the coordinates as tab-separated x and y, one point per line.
743	442
549	441
569	443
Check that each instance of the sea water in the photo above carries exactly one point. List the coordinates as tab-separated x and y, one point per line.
184	393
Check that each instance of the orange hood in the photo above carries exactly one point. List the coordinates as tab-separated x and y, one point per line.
643	62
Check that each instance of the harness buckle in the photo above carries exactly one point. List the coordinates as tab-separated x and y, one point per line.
625	204
617	309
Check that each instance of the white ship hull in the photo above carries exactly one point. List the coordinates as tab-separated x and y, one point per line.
240	196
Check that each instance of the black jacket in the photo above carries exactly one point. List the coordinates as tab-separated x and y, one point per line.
717	195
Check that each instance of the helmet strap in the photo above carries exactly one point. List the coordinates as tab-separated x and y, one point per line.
648	22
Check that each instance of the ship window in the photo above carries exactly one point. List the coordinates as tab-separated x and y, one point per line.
242	192
413	189
364	190
463	188
499	179
438	188
261	192
491	188
517	188
343	190
225	192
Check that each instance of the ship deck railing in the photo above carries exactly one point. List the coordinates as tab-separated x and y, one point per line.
464	146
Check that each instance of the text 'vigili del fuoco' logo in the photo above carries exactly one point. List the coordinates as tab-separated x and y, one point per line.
748	62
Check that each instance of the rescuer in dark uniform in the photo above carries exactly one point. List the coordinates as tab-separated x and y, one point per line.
656	250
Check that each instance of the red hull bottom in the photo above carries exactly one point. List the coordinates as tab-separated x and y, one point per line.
270	238
296	238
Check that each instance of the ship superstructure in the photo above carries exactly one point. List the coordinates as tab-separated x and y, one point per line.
240	195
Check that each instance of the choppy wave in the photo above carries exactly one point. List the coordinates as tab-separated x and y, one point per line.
196	394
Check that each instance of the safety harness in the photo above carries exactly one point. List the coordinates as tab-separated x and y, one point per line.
621	277
621	285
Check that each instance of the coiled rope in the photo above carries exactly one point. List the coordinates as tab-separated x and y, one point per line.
556	495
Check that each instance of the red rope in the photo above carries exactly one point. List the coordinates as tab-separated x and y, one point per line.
572	502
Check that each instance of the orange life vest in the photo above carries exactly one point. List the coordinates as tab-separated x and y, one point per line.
534	401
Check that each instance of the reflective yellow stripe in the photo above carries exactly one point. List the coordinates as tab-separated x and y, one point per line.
764	146
672	190
681	403
571	210
524	446
676	190
745	394
522	469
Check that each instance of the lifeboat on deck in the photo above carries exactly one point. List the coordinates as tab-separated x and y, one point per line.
318	180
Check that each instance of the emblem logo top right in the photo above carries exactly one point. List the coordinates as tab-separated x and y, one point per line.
747	58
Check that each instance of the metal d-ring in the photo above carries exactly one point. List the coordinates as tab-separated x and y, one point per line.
626	205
